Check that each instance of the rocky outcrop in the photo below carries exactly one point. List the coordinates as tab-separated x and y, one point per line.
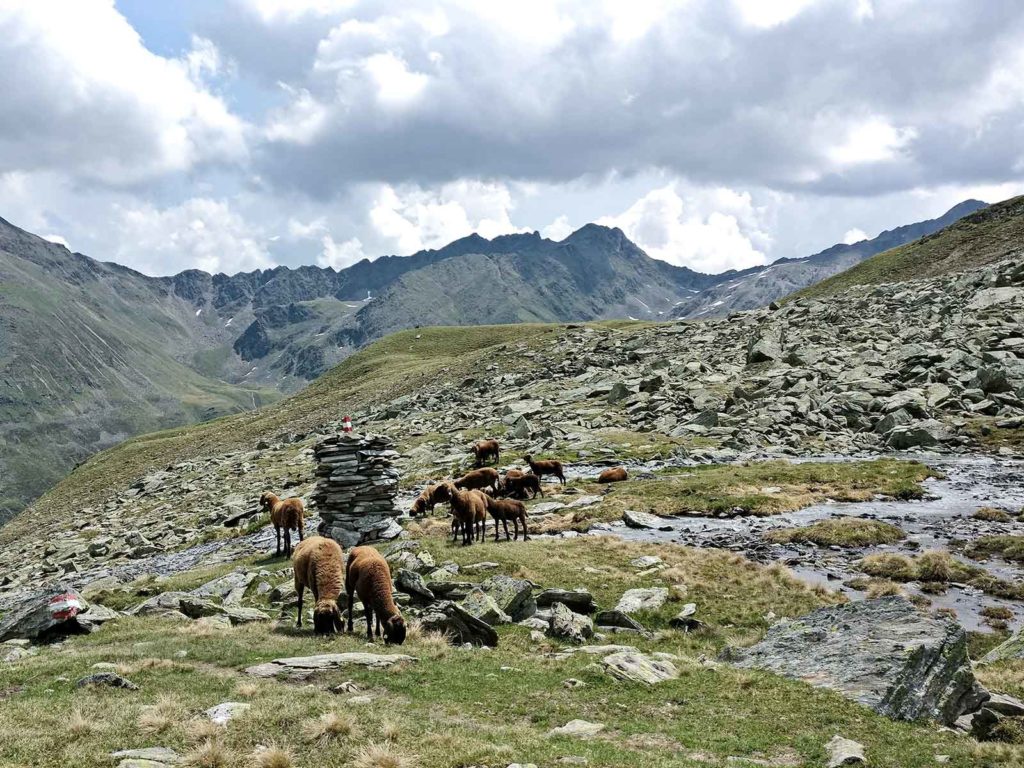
43	614
882	653
458	624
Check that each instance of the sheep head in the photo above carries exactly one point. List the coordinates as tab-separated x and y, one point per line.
326	617
394	631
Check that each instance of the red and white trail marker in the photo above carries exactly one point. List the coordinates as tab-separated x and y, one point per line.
346	424
65	606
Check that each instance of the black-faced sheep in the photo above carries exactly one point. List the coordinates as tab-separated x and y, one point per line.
430	497
284	514
505	510
369	575
484	450
541	468
319	564
486	477
613	475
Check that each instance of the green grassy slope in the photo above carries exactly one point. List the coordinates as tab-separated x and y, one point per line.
394	366
984	237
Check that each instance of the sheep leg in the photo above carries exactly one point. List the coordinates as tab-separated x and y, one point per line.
505	523
369	623
526	535
300	590
349	590
287	542
378	624
277	531
300	527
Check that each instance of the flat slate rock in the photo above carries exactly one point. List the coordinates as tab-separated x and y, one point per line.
301	667
109	679
883	653
635	519
150	757
649	599
580	729
639	668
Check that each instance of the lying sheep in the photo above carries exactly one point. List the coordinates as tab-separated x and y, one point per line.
368	574
613	475
486	477
431	496
485	449
541	468
517	485
505	510
469	514
319	565
284	514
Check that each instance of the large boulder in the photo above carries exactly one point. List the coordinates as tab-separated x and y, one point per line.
883	653
1011	648
639	668
513	596
566	625
44	613
578	600
634	600
635	519
765	347
457	623
482	606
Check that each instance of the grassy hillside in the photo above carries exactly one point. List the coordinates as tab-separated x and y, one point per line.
395	366
984	237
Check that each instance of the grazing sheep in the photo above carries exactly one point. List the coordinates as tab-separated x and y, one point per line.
319	564
469	514
284	514
519	484
368	574
431	496
505	510
613	475
478	478
485	449
541	468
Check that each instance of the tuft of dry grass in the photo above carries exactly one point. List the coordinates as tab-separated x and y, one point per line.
999	612
272	756
888	566
246	690
992	514
375	755
79	725
330	725
935	565
883	588
209	754
201	729
162	715
390	730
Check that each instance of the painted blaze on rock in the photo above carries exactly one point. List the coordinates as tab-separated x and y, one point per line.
882	653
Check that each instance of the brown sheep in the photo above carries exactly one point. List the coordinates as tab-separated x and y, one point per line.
284	514
541	468
431	496
485	449
613	475
319	564
469	514
505	510
368	574
518	484
478	478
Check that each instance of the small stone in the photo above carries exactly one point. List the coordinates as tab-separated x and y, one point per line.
580	729
634	600
226	711
108	679
844	752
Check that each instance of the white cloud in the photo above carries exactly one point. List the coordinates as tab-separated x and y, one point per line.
58	239
298	230
412	218
873	140
340	255
771	13
199	233
706	230
83	95
854	236
559	229
396	85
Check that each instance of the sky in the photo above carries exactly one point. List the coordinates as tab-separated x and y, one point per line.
232	135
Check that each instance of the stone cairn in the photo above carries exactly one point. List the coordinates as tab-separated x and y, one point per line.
355	489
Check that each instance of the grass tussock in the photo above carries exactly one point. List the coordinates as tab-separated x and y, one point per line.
376	755
936	568
209	754
992	514
883	588
330	725
842	532
1007	547
272	757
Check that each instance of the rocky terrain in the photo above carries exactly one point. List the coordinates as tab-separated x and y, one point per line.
93	353
160	545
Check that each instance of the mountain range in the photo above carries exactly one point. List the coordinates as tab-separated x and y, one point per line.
94	352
